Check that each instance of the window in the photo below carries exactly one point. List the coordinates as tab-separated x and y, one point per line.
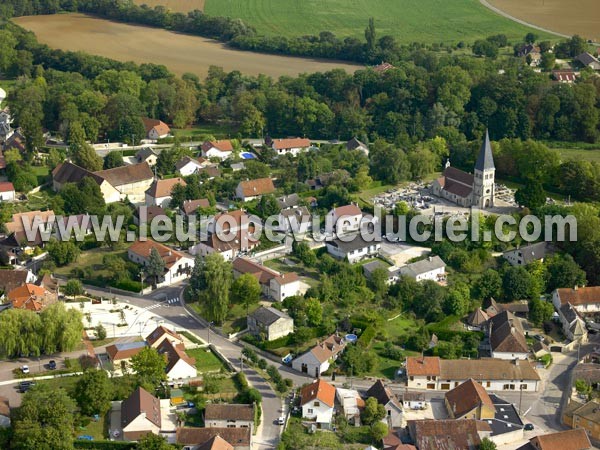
309	411
412	378
316	404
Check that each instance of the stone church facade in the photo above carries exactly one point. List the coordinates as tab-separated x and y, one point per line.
466	189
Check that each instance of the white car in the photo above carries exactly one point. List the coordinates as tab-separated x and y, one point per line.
25	369
281	421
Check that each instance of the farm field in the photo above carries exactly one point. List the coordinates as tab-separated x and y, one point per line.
563	16
174	5
180	53
580	154
408	20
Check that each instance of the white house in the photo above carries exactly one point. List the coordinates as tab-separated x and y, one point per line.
522	256
180	366
155	129
296	220
292	146
229	415
583	299
269	323
177	265
351	403
159	192
344	219
7	191
434	373
187	165
318	359
147	155
355	144
250	189
572	324
388	399
140	415
353	247
507	337
162	333
130	182
275	285
217	149
431	268
317	401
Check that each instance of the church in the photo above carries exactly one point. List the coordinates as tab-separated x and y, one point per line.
466	189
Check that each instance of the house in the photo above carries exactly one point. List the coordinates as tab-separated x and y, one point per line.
576	439
383	67
583	299
355	144
292	146
217	149
319	181
295	220
146	155
469	400
350	403
466	189
140	415
214	438
187	165
209	172
393	442
180	366
521	256
275	285
507	337
317	360
159	192
146	214
533	52
236	167
191	207
229	415
7	191
564	76
317	401
431	268
12	278
31	297
6	130
67	172
433	373
121	353
177	265
518	308
289	201
586	417
155	129
344	219
466	434
388	399
588	60
4	412
130	181
270	323
353	248
478	319
162	333
251	189
573	325
414	400
36	222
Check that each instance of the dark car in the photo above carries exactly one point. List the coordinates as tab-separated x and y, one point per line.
529	426
24	386
52	364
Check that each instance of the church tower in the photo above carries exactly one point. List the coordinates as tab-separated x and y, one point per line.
483	184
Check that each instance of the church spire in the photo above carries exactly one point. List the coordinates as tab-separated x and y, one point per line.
485	160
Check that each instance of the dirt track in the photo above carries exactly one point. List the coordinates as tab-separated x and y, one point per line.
564	17
180	53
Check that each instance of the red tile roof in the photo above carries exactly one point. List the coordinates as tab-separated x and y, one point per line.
419	366
579	296
161	127
223	146
576	439
260	186
6	186
143	249
319	390
284	144
466	397
159	332
140	402
174	353
29	296
191	206
133	173
163	188
347	210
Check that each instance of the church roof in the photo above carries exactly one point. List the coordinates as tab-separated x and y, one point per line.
485	160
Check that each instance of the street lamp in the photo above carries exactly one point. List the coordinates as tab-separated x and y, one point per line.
142	280
209	324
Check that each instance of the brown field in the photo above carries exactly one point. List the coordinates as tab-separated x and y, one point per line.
180	53
174	5
563	16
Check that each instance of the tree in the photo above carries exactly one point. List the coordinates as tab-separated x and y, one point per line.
85	197
563	272
485	48
211	284
149	365
373	412
531	195
44	420
486	443
153	441
378	431
548	61
540	311
488	285
100	332
93	392
112	160
516	284
82	153
73	288
62	252
246	290
530	38
155	266
370	34
583	387
314	312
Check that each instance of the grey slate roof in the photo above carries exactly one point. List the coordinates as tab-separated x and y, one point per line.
268	316
485	160
355	242
531	252
423	266
288	201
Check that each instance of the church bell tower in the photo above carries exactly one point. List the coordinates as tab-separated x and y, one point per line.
483	184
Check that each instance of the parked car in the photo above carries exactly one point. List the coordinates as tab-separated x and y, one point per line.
52	364
24	386
25	369
281	420
529	426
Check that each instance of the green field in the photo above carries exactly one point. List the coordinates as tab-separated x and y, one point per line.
580	154
408	20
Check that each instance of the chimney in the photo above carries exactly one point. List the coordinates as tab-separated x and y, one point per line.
516	362
575	288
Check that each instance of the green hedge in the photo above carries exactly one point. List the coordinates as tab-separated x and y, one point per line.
129	285
105	445
366	337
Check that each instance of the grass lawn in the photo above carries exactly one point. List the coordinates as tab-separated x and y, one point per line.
309	275
219	131
41	172
97	429
92	258
580	154
447	21
206	360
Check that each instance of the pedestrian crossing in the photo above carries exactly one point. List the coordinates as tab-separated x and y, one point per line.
166	302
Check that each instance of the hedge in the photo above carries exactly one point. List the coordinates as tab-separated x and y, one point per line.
366	337
104	445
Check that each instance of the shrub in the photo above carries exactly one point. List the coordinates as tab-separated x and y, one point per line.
262	364
128	285
366	337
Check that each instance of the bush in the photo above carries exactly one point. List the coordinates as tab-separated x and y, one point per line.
262	363
366	337
250	354
128	285
240	379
